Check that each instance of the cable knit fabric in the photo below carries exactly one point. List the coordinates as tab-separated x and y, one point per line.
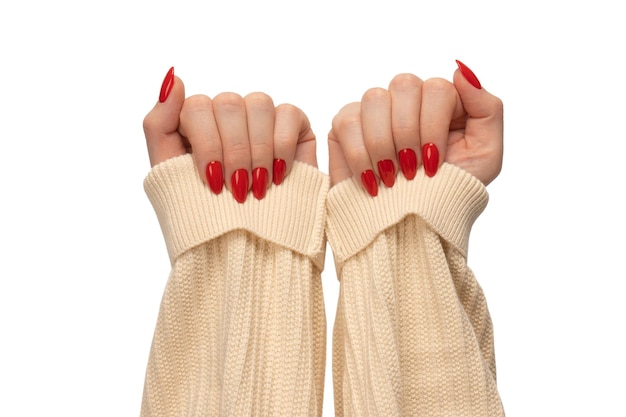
241	330
412	335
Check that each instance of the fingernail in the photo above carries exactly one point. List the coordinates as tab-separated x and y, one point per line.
239	183
369	182
468	74
259	182
408	163
167	85
280	167
430	156
387	172
215	176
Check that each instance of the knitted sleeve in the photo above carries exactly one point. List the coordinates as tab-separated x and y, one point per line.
412	336
241	328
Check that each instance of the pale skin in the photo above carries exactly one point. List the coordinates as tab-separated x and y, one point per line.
464	122
240	132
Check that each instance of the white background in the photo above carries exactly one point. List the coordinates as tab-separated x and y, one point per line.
83	263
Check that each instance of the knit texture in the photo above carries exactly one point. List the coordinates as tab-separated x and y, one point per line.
413	335
241	330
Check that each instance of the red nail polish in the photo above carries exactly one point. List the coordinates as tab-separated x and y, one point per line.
369	182
215	176
259	182
468	74
408	163
387	172
280	168
239	183
167	85
430	156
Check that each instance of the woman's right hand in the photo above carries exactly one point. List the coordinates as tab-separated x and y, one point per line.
417	122
246	140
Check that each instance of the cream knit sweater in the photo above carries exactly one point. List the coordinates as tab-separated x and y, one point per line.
241	330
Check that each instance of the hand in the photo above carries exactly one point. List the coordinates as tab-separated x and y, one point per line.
418	122
246	140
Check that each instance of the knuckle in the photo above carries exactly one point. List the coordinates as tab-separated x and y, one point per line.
261	149
229	102
405	126
376	143
355	153
236	153
198	102
376	95
405	82
150	121
195	104
287	110
258	100
438	86
349	122
498	106
332	137
283	137
349	117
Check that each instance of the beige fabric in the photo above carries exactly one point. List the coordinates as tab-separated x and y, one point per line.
412	336
241	330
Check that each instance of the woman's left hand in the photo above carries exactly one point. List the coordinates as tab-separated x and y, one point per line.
417	122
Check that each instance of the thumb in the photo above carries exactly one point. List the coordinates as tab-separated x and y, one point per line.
161	124
484	124
478	103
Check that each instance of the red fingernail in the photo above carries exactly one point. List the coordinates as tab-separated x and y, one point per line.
239	183
215	176
280	167
408	163
369	182
468	74
259	182
167	85
387	172
430	156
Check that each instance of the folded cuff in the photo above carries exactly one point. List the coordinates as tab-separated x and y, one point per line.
449	202
291	215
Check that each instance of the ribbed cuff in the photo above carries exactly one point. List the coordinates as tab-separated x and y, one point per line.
291	215
449	202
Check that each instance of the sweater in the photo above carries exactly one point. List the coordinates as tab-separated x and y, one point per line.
241	330
413	335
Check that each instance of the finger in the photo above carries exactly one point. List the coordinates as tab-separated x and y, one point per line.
198	125
306	146
161	124
484	126
338	166
405	91
349	145
440	105
260	113
230	114
376	124
293	139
